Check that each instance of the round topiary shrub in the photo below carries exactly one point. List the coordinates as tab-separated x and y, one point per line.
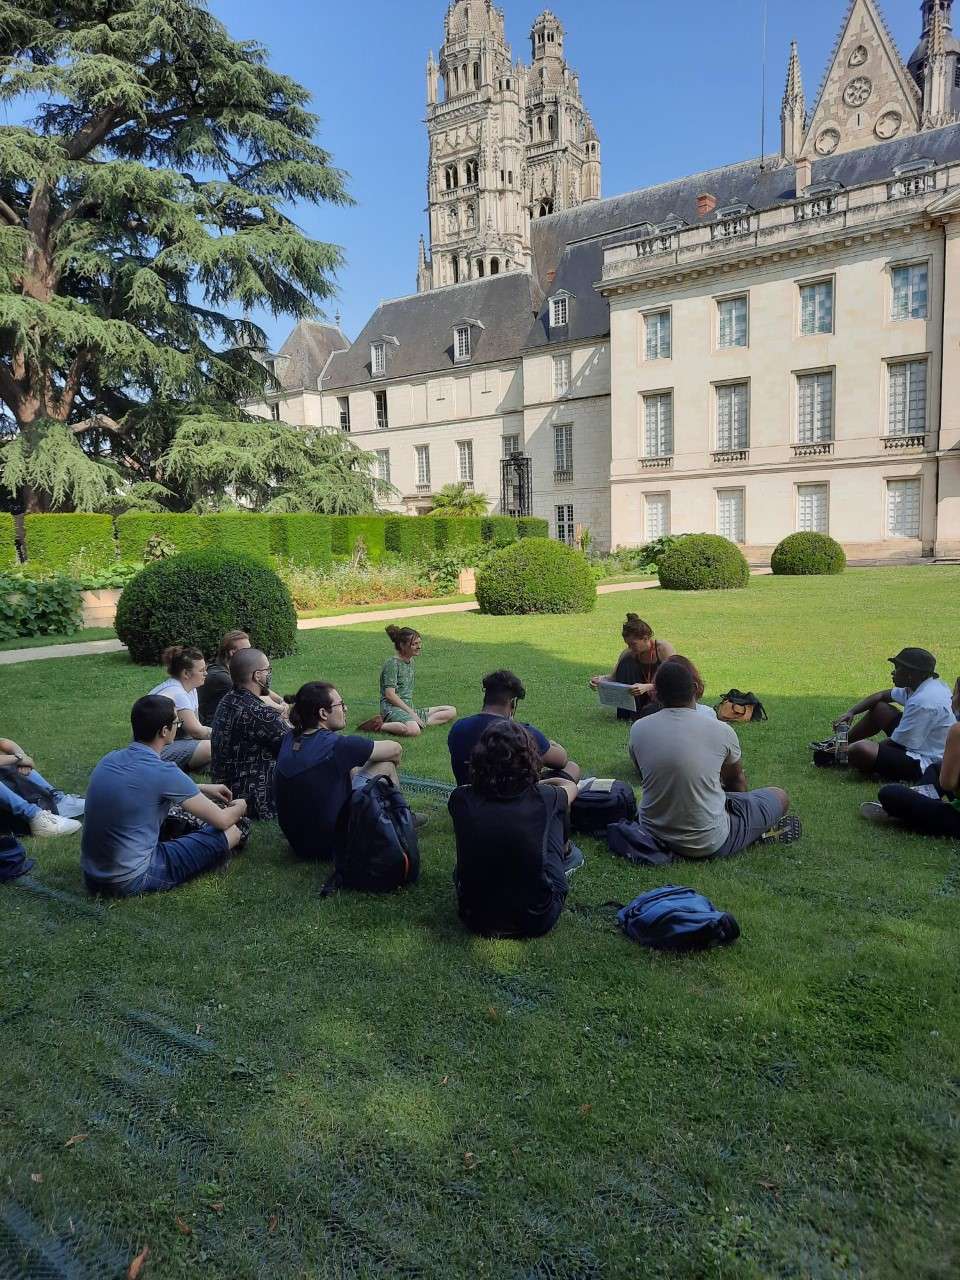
703	562
195	597
803	553
536	575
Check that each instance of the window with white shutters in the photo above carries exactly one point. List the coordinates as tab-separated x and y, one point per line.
511	445
559	312
733	417
814	408
657	523
730	515
566	531
383	465
465	461
910	291
659	332
813	508
658	425
816	307
462	345
378	359
907	398
732	322
423	465
561	375
563	452
903	508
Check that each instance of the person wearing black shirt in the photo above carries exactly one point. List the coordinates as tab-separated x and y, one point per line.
502	691
512	833
317	768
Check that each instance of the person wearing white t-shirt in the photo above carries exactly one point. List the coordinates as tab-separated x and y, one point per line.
186	671
916	736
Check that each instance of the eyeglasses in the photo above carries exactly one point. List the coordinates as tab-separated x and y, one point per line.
334	705
176	726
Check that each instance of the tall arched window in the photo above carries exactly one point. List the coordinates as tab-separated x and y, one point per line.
455	264
494	266
546	208
552	125
476	75
539	126
480	269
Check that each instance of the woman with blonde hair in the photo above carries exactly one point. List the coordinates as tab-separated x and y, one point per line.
399	714
186	673
638	665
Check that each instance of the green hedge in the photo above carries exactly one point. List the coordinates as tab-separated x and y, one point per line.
245	533
500	530
536	575
533	527
134	531
346	530
703	562
302	538
8	541
48	607
808	553
412	537
54	541
453	531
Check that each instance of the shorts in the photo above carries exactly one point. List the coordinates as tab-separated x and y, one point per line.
752	813
180	752
396	715
173	863
894	765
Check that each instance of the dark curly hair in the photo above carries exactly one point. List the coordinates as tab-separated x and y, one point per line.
505	762
636	629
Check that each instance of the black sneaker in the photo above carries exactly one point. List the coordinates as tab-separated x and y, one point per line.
420	820
787	831
573	861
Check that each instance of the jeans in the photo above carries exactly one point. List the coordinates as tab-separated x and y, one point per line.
174	862
16	804
920	813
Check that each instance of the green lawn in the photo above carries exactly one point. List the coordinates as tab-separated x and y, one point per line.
73	637
271	1085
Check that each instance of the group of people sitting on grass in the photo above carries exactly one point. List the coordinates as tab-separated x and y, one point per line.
148	827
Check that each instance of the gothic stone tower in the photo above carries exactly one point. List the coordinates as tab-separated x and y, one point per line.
507	143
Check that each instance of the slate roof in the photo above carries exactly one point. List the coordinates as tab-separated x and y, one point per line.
308	349
423	326
568	252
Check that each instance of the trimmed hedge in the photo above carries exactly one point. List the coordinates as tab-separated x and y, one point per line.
454	531
703	562
808	553
8	540
532	527
500	530
245	532
302	538
536	575
136	528
54	540
193	598
412	537
346	530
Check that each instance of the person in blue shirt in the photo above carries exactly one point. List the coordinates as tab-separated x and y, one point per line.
130	796
502	691
317	769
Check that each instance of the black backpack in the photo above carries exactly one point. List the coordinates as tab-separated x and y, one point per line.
736	707
598	804
380	852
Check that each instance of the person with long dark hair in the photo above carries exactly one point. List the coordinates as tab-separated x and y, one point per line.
638	665
317	769
186	673
513	838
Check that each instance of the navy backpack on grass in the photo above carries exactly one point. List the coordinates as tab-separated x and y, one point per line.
381	852
677	919
599	802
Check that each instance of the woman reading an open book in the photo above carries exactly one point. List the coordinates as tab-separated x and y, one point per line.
637	666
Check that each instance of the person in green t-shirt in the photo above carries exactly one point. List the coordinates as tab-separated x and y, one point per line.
400	714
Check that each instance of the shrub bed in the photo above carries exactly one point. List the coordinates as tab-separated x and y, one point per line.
193	598
38	607
56	542
808	553
536	575
347	530
703	562
345	585
136	528
8	540
303	539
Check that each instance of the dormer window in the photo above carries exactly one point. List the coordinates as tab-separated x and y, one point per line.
378	359
560	311
462	345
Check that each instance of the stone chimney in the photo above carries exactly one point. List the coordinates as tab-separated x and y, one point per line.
804	175
705	205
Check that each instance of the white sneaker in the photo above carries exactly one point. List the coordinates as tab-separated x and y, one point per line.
874	811
51	824
69	806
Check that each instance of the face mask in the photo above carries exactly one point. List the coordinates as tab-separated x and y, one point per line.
265	682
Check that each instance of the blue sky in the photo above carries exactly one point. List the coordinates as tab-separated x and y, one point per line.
673	89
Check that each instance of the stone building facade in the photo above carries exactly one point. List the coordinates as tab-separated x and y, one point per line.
764	347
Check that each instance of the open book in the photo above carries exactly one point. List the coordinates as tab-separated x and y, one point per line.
614	694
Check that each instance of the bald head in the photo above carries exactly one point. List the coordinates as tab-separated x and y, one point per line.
244	663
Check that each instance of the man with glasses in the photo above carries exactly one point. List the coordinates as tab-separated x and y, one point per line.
129	799
247	733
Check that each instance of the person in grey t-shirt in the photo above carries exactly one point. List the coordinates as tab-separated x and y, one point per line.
696	800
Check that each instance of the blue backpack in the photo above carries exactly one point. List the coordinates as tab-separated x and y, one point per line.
381	852
677	919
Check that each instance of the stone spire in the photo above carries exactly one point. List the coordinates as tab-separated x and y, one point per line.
423	269
793	109
936	89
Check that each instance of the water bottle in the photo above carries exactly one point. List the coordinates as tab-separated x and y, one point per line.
842	741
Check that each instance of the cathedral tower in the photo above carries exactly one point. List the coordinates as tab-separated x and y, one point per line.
935	64
507	143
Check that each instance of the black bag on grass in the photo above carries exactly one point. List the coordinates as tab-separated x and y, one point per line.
381	852
736	707
600	802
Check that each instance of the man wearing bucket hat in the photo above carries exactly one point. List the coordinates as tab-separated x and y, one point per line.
916	736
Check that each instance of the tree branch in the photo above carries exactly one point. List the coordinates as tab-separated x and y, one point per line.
9	391
91	135
71	384
70	212
10	216
99	421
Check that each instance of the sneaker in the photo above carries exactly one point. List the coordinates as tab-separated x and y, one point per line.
420	820
874	811
787	831
573	861
69	806
826	744
373	725
51	824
